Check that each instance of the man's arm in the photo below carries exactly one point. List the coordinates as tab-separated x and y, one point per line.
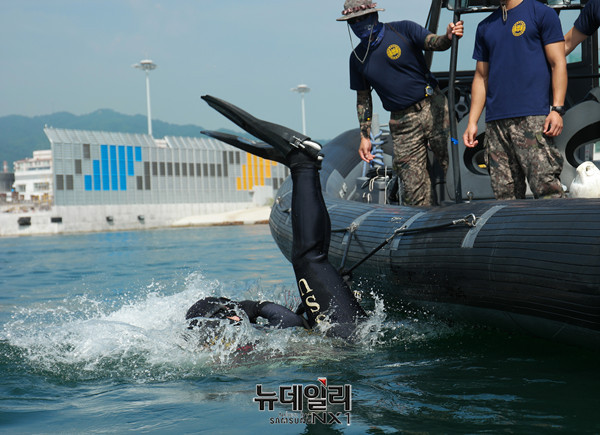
555	53
573	39
478	95
364	110
443	42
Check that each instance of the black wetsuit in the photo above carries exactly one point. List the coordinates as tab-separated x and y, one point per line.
326	298
324	293
277	316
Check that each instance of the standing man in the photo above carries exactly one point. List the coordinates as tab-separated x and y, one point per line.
390	60
587	23
521	79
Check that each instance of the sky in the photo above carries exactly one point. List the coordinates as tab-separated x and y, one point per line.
77	56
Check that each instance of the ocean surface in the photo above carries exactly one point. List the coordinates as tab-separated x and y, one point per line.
93	340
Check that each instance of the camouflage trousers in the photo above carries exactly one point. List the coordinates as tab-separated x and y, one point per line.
516	150
414	129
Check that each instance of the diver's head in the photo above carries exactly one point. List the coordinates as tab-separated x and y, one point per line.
214	308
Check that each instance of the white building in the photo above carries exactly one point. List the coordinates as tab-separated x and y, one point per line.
109	181
33	177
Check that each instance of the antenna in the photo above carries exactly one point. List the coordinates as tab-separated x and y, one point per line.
147	65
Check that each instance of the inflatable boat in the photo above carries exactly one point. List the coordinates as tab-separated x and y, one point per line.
525	265
530	266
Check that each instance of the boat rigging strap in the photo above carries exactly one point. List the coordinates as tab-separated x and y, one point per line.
469	220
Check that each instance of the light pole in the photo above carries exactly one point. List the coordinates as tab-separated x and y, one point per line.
302	89
147	65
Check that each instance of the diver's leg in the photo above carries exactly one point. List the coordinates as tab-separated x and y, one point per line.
324	293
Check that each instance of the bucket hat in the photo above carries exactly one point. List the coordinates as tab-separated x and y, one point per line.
356	8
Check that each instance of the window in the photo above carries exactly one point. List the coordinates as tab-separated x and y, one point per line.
41	186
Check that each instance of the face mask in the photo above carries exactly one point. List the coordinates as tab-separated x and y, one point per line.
367	27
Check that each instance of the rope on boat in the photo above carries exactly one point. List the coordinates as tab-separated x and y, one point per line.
469	220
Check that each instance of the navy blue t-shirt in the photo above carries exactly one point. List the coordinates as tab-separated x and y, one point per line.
519	82
395	68
589	19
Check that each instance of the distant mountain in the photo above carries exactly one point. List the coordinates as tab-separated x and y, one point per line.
21	135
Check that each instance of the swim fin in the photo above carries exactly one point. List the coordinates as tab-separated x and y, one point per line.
259	149
284	139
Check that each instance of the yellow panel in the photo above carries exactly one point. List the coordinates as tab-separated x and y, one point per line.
256	170
250	171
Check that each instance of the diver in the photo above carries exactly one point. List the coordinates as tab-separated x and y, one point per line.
221	308
327	301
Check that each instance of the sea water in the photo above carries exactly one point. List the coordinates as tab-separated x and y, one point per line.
93	340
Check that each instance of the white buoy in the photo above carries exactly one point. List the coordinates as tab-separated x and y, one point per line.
586	183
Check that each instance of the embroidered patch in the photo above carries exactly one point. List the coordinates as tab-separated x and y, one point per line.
519	28
394	52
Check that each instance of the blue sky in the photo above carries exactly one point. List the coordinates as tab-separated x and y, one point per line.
77	56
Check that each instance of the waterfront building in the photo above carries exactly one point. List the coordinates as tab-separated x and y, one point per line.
33	177
98	181
105	168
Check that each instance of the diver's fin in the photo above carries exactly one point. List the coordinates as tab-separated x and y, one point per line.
282	138
259	149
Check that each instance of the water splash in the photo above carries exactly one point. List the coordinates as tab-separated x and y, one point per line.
143	335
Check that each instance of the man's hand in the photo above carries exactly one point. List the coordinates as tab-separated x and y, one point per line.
364	150
553	125
455	29
469	138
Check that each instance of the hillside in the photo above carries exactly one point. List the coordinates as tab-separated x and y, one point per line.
21	135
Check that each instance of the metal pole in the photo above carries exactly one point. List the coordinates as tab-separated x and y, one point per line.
452	112
303	117
432	24
147	65
148	103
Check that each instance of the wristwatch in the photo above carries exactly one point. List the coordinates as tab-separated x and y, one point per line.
558	109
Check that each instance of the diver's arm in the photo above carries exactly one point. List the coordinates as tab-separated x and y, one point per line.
478	96
573	39
364	110
276	315
443	42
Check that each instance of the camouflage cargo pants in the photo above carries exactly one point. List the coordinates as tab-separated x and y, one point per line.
412	129
516	150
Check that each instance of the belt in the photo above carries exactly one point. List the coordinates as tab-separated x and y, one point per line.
417	107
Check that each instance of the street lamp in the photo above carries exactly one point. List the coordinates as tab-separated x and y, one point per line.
302	89
147	65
